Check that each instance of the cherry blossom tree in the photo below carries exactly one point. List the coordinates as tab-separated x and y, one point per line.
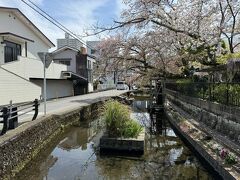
166	34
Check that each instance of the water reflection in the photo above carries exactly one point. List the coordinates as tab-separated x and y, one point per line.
75	140
140	106
74	155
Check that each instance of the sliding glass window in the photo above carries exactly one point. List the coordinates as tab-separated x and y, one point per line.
11	51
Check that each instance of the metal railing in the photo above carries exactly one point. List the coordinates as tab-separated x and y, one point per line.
224	93
10	114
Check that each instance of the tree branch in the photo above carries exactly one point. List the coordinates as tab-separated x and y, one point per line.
192	35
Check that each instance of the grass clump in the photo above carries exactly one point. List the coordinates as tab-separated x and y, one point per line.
118	121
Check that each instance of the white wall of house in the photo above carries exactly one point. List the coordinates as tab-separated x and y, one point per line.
90	62
56	88
67	54
17	89
32	68
90	87
11	23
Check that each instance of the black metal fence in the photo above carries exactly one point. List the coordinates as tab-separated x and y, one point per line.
9	114
224	93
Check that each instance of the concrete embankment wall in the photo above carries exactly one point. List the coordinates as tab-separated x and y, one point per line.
216	167
220	118
21	145
195	119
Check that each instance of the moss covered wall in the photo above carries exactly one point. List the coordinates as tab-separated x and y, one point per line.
19	146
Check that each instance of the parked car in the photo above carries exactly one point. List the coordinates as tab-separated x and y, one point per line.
122	85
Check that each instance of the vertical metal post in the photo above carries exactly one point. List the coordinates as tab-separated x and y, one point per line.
210	91
44	85
46	58
5	120
10	108
227	95
12	122
35	105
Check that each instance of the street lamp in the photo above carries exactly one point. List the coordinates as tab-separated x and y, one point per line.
46	59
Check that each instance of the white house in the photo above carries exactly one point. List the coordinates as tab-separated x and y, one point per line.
21	70
79	65
66	55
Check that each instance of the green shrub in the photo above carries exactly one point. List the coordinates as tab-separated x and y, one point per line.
132	129
186	86
231	159
118	121
184	81
223	59
220	93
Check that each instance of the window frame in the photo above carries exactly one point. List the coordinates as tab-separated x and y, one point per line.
15	48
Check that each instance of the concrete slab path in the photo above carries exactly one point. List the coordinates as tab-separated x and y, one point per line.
59	105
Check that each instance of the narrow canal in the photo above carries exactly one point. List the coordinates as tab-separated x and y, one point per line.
74	155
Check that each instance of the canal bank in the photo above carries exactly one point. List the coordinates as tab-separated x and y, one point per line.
166	156
74	154
18	147
204	127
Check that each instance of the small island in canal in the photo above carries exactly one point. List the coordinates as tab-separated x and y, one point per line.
123	134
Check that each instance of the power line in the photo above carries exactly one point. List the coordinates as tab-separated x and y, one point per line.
55	22
48	15
68	31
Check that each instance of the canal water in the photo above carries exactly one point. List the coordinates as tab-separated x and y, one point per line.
75	155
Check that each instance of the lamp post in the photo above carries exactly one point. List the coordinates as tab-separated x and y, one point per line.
46	59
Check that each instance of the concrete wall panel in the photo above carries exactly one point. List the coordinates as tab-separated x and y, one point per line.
17	89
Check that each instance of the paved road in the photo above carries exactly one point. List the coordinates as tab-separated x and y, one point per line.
63	104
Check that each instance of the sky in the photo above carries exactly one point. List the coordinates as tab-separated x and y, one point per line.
77	15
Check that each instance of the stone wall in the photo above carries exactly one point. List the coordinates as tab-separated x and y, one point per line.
19	146
220	118
198	147
129	145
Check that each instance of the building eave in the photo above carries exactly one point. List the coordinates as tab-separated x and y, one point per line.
63	49
73	76
16	36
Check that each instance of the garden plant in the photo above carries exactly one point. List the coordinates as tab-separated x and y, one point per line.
118	121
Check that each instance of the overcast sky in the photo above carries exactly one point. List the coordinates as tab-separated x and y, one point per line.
77	15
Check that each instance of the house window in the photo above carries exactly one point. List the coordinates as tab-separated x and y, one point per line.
65	61
68	63
90	78
93	51
26	49
89	65
11	51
